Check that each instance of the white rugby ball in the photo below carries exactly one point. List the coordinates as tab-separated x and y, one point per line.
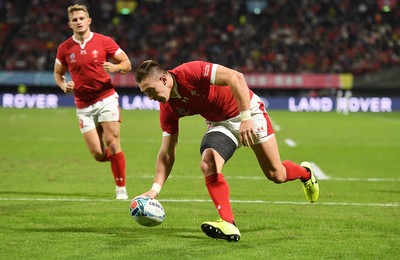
147	212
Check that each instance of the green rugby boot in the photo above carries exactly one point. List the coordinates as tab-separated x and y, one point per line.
221	229
310	187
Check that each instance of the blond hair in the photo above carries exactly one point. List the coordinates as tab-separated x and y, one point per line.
77	7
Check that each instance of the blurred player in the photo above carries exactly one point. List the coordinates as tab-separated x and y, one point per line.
85	55
235	116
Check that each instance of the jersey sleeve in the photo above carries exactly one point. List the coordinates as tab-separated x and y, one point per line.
60	56
196	72
111	47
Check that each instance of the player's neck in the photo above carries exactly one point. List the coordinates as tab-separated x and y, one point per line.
82	36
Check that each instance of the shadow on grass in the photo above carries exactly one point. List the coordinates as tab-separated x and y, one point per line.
134	232
120	232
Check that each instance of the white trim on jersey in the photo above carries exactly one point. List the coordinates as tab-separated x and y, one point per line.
118	52
83	44
213	73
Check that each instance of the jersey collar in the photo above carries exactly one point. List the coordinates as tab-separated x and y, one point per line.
175	88
83	44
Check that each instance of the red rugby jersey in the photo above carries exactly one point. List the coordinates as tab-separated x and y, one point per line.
85	64
198	97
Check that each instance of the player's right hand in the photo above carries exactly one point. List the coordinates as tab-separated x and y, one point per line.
247	133
68	86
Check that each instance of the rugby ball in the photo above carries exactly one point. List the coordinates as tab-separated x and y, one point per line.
147	212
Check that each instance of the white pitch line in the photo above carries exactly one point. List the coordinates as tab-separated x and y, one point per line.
209	201
318	172
294	203
290	142
367	179
257	178
277	127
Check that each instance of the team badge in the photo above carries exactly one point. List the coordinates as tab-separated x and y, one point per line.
182	112
72	57
95	53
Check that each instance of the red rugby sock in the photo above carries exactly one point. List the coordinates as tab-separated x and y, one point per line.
295	171
118	165
219	192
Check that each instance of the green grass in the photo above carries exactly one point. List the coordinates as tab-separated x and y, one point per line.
56	202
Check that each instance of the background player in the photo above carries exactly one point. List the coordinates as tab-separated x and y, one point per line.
235	116
85	55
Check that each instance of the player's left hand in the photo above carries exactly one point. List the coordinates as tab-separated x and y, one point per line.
247	132
111	67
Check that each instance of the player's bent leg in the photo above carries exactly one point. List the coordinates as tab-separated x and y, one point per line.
311	186
268	157
221	229
95	145
216	148
111	136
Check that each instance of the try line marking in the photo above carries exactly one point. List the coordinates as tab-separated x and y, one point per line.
209	201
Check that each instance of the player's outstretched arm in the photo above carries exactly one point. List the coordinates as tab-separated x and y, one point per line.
165	162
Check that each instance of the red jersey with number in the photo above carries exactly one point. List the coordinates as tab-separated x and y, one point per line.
85	64
197	97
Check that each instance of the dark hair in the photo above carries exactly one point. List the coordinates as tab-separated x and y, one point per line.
146	69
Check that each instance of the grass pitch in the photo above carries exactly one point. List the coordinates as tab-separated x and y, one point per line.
56	202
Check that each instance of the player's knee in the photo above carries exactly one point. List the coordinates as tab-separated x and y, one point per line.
277	176
279	179
114	147
208	164
98	156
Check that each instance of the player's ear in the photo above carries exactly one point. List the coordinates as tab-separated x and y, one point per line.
89	20
163	79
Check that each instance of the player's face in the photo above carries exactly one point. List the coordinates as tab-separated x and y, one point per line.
79	22
156	89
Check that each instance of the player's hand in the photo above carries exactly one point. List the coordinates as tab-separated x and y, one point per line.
151	194
247	132
68	86
111	67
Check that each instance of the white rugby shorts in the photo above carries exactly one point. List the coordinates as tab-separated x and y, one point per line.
262	124
106	110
